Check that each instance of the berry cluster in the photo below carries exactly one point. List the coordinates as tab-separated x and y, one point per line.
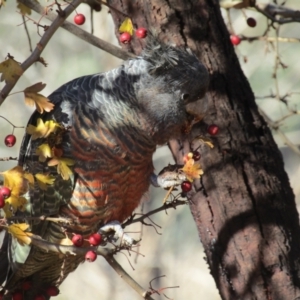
94	239
140	33
186	186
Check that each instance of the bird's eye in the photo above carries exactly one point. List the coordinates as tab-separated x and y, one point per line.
185	97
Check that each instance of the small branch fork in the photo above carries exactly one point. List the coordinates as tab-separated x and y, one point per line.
271	10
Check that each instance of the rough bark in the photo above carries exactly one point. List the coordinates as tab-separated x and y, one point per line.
244	207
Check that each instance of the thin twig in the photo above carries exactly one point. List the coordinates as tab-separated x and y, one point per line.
165	206
42	218
14	126
280	133
270	39
27	33
8	158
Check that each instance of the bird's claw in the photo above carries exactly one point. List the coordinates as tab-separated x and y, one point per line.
115	226
168	176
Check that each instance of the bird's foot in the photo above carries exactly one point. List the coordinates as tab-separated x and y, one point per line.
119	234
168	176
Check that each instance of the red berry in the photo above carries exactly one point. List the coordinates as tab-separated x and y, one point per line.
39	297
79	19
26	285
141	32
2	201
125	38
77	240
52	290
186	186
196	155
5	191
235	39
10	140
213	129
95	239
17	296
251	22
91	256
2	295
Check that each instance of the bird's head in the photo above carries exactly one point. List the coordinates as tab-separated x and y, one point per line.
172	92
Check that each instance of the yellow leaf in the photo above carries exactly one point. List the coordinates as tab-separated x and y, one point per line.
191	169
42	103
62	166
10	70
44	179
16	179
42	129
35	88
126	26
23	9
44	151
7	210
29	178
16	202
18	232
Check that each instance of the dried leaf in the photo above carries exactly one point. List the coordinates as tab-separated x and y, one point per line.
35	88
44	180
18	232
191	169
205	140
126	26
44	152
24	9
42	129
42	103
10	70
62	166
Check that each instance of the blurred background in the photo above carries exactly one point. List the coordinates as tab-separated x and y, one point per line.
176	252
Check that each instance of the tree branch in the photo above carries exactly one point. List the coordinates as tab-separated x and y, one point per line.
80	33
127	278
271	10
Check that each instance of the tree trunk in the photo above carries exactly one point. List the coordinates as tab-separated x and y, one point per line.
244	207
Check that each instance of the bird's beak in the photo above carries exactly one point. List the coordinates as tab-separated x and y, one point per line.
197	108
